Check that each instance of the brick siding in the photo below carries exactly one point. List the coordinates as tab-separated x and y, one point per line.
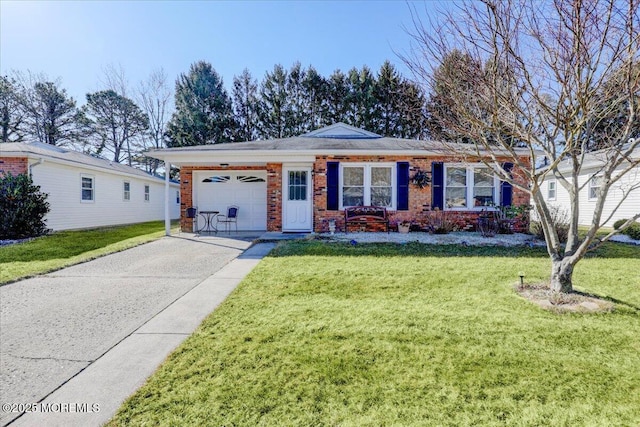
419	199
15	165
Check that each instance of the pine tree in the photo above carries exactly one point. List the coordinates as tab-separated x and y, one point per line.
274	105
362	99
387	101
316	92
338	97
245	105
203	113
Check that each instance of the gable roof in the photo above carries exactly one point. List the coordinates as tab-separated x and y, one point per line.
337	139
48	152
341	131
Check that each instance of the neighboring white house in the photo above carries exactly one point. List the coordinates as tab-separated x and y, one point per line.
588	180
86	191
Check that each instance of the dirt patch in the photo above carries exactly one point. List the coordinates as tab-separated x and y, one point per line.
558	302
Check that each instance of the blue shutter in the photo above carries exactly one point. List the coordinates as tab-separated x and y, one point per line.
506	190
437	185
403	186
333	193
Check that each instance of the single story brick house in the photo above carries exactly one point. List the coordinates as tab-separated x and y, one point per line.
86	191
298	184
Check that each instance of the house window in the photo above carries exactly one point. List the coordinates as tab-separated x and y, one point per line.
87	188
297	185
468	187
551	190
146	192
367	184
594	187
126	191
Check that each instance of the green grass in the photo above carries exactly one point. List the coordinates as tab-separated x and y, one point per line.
374	335
61	249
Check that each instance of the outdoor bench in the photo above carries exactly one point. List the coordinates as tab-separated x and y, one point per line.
365	215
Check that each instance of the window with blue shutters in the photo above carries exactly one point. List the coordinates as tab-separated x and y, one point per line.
469	187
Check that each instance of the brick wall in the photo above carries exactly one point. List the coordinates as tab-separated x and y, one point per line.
419	198
15	165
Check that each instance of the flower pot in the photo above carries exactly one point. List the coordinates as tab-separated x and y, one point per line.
404	228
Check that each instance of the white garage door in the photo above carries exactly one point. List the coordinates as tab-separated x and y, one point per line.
215	190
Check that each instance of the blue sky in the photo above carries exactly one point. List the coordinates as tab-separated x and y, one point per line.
76	40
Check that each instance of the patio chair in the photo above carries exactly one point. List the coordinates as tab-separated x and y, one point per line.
192	214
230	218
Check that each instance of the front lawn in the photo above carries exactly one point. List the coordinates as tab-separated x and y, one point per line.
64	248
383	334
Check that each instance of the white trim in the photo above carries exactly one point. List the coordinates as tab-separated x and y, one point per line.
591	187
469	198
126	194
93	188
367	181
285	195
554	189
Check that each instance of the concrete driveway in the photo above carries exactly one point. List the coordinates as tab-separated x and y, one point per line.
53	326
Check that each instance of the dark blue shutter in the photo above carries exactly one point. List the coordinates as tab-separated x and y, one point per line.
333	193
506	190
437	185
403	186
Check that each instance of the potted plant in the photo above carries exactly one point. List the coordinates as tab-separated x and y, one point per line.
404	226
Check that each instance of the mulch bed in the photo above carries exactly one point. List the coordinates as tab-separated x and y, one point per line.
559	302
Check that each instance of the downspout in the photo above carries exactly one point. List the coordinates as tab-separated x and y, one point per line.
167	214
33	165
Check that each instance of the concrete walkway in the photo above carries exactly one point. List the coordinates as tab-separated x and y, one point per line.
91	390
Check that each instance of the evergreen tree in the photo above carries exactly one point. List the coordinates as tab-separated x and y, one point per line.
457	74
11	111
362	99
387	101
316	92
203	112
51	115
411	110
297	121
116	123
274	106
245	105
338	97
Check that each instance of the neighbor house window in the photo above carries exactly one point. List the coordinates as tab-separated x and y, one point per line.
551	190
594	187
367	185
126	190
468	187
87	188
146	192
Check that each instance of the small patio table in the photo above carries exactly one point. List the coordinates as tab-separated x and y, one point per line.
209	221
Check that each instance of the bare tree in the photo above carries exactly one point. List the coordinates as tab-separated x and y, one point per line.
155	99
546	68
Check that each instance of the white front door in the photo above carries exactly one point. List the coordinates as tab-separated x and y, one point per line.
296	200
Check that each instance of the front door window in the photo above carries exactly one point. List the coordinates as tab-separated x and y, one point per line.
298	185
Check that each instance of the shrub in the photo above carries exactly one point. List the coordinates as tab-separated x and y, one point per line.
633	231
22	207
618	223
560	218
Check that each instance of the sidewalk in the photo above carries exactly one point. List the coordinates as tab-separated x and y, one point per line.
92	397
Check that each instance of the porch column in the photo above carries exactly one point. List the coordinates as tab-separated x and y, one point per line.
167	212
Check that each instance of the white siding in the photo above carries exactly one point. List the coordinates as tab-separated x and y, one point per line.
63	185
630	207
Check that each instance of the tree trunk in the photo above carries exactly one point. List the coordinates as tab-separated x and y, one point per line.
561	274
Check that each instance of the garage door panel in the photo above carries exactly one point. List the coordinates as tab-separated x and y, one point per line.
249	195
